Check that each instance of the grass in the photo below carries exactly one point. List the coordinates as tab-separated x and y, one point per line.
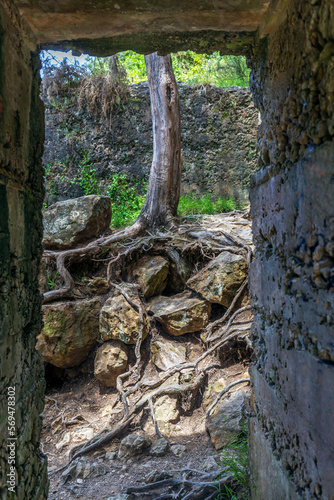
127	202
191	204
234	459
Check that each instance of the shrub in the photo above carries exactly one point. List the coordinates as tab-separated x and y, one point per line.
191	205
126	201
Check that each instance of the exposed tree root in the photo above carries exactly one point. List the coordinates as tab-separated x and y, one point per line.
218	334
204	487
224	391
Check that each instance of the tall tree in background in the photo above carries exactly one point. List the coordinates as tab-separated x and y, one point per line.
164	185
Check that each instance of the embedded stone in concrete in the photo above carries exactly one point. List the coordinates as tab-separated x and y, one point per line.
70	332
180	313
68	223
227	419
219	281
133	444
110	361
151	274
120	321
166	353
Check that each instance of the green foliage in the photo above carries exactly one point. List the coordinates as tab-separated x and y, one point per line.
135	66
189	67
126	202
234	462
51	279
191	204
88	181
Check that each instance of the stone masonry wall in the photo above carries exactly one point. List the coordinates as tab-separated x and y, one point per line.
21	197
218	126
292	278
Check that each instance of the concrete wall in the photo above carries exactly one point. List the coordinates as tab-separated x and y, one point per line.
292	278
21	196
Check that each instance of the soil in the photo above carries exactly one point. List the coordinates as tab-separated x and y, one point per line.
77	407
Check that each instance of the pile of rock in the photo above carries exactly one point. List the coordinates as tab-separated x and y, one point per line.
72	329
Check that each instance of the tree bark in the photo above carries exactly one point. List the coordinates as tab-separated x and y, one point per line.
164	186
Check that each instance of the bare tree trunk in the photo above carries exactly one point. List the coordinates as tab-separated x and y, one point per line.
163	191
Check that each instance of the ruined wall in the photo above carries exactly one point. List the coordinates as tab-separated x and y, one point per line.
21	197
292	278
218	134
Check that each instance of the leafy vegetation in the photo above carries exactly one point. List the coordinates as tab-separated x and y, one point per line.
88	181
234	461
127	202
189	67
190	204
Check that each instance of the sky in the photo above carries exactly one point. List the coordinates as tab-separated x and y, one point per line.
61	55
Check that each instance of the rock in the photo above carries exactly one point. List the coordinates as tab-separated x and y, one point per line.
178	449
67	223
110	361
77	436
111	455
179	271
120	321
166	407
180	314
159	447
99	286
83	469
209	464
227	418
133	444
219	281
151	274
166	353
69	333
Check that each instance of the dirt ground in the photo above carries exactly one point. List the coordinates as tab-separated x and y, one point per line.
77	408
80	408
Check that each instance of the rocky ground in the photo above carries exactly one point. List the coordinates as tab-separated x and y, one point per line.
89	339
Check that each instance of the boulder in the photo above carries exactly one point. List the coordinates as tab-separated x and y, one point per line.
68	223
228	418
110	361
120	321
151	274
159	447
166	407
69	333
99	286
219	281
166	353
179	271
181	313
133	444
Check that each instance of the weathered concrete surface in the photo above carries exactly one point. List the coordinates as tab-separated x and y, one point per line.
292	277
21	198
144	26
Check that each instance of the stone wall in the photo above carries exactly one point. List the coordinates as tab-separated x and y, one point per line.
218	126
21	197
292	278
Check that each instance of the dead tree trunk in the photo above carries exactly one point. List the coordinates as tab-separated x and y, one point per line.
164	186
